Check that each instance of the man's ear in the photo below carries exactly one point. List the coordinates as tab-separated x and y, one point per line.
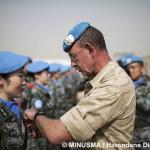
91	48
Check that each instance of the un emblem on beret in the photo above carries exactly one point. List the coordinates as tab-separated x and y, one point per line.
69	40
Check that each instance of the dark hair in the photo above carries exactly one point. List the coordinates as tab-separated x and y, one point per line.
94	37
32	75
140	63
5	77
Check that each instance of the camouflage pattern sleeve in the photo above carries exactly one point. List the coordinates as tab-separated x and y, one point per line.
143	97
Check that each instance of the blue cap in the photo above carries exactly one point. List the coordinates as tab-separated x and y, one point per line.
11	62
54	67
133	59
74	35
37	66
64	68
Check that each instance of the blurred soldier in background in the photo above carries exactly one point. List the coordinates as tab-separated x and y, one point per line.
69	84
54	70
135	69
26	94
40	99
56	86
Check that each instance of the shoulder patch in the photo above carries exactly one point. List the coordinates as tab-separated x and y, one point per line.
38	104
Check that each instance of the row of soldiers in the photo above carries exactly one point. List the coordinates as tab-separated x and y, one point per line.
134	66
50	88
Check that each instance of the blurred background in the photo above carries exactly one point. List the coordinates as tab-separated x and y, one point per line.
37	27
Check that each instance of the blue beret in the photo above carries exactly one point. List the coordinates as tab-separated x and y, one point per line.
54	67
133	59
122	61
64	68
29	59
11	62
74	35
37	66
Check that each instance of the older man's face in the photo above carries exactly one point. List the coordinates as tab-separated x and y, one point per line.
135	70
82	60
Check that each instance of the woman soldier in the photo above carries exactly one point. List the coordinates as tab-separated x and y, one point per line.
12	126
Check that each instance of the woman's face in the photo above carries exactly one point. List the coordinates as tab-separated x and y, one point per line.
13	85
43	77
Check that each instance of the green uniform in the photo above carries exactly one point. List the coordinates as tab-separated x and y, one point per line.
142	121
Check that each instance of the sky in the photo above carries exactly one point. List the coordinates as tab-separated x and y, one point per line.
37	27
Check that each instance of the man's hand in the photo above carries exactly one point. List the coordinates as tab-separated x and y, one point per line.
30	113
29	117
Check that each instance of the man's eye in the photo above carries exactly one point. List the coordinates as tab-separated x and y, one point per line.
73	57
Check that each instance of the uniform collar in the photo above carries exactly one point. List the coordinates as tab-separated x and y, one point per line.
44	87
8	103
139	82
98	78
12	106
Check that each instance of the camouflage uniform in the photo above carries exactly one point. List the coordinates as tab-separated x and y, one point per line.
65	92
60	98
41	101
53	93
61	105
12	130
142	121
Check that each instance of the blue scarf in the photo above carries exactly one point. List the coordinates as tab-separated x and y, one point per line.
139	82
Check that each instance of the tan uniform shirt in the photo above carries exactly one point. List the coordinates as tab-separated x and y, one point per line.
106	113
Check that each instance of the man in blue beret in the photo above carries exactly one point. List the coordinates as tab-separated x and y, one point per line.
12	126
135	68
105	115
